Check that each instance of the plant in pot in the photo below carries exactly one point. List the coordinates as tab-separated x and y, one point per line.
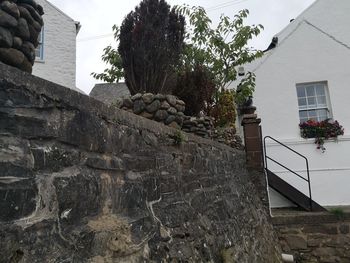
321	131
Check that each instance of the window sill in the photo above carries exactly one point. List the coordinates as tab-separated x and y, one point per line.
39	61
300	140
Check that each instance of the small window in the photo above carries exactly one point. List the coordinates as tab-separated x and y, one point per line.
313	101
39	51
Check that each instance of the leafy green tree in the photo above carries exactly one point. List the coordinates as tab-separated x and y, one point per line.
221	49
115	71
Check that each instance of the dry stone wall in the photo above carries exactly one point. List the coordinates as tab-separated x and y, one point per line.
169	110
20	26
83	182
166	109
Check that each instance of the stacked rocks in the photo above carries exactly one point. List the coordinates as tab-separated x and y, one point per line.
202	126
228	136
20	26
167	109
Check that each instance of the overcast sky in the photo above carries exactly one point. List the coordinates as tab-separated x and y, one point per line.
98	16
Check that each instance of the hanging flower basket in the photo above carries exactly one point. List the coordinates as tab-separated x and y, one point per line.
321	131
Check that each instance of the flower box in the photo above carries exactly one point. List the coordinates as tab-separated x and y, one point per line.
321	131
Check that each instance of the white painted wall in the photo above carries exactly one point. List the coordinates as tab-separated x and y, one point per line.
307	55
59	60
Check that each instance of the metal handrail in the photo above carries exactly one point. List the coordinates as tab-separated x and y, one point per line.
304	157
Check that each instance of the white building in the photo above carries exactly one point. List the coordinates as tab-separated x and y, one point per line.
312	57
56	55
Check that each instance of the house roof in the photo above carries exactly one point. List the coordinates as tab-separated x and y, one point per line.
329	16
77	24
108	92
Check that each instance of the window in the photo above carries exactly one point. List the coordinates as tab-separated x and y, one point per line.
313	101
39	51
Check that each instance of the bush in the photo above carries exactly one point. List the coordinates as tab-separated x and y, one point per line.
196	88
151	42
224	110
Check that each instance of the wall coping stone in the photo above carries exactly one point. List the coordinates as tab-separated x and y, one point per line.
83	102
310	218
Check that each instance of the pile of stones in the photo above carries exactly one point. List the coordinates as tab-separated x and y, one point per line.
167	109
228	136
202	126
20	25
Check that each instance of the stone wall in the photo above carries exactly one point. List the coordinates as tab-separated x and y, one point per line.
83	182
200	126
166	109
20	26
315	237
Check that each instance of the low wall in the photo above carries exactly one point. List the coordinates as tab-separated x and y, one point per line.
83	182
166	109
315	237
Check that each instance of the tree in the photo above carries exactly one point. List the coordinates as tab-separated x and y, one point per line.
151	40
196	88
221	49
111	57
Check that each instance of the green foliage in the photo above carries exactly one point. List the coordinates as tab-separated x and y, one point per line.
151	39
196	88
152	51
224	111
221	49
245	89
338	212
111	57
178	137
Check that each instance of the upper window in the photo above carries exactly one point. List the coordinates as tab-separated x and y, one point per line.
39	51
313	101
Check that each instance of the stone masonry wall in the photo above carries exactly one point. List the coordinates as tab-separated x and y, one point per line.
315	237
20	26
83	182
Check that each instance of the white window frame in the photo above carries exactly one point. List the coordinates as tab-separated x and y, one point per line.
40	47
313	101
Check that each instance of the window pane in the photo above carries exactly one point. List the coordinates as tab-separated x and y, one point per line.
303	114
312	114
311	102
310	91
37	52
322	114
302	103
301	92
321	101
320	90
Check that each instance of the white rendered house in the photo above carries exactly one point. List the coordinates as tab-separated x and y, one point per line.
56	54
307	76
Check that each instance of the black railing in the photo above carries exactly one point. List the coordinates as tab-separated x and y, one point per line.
266	157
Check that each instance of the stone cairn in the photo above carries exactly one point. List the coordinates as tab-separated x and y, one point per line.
20	25
167	109
201	126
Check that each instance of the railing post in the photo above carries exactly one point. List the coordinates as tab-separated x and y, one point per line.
253	140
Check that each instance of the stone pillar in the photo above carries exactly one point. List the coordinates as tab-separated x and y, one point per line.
252	141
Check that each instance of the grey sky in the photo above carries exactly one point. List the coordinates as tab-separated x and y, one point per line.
98	16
